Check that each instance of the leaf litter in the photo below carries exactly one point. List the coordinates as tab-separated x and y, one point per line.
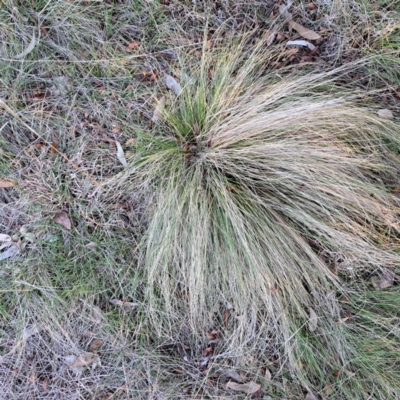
29	48
62	219
7	184
383	280
248	388
173	85
385	114
121	154
313	321
5	238
10	252
301	30
123	303
303	43
77	363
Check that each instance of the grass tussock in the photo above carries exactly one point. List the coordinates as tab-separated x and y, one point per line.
240	242
266	202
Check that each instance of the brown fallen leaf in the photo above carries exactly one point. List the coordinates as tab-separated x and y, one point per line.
132	45
248	388
53	147
209	335
227	314
208	351
44	384
62	218
130	142
290	52
7	184
95	344
80	361
304	32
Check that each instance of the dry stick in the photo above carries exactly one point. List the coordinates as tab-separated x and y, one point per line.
15	115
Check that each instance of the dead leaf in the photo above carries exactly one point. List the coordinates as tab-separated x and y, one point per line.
234	375
54	147
30	47
267	379
383	280
5	238
208	351
178	371
120	154
248	388
227	314
28	332
313	321
172	84
158	110
92	245
95	344
271	38
196	129
10	252
130	142
310	396
210	336
44	384
386	114
303	43
81	361
290	52
62	218
7	184
132	45
304	32
283	10
328	390
116	129
123	303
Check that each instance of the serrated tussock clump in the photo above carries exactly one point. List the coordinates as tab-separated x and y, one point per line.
266	197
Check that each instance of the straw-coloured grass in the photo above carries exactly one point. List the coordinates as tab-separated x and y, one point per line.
266	198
